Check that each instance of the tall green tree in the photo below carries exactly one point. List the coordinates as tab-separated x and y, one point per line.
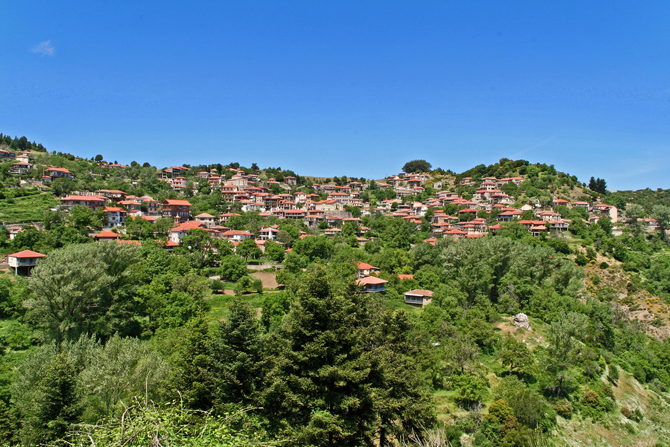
84	289
320	382
662	214
416	166
57	404
237	359
401	402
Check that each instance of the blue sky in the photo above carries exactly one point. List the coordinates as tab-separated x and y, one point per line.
345	88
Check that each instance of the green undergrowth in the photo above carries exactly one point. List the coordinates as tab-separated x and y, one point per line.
26	209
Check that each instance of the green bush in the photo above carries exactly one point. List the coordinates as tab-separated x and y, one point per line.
581	260
564	408
217	285
604	265
613	374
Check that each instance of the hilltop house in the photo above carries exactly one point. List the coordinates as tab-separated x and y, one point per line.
24	261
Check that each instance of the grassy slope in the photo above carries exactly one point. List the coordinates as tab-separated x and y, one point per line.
26	209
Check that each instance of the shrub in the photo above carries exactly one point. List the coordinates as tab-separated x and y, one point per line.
627	412
564	408
630	428
216	285
581	260
604	265
591	398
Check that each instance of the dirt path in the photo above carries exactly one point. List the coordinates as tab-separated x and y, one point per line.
269	280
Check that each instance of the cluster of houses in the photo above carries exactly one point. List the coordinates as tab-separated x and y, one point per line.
325	204
470	221
371	283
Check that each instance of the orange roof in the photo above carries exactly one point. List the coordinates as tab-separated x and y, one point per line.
106	235
428	293
236	232
364	266
87	198
113	209
370	280
190	225
178	202
26	254
130	242
404	277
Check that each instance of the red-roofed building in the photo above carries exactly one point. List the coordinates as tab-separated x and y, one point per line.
365	269
237	235
58	172
116	216
372	284
24	261
88	201
418	297
179	210
106	236
181	230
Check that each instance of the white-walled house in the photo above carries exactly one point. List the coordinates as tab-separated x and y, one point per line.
24	261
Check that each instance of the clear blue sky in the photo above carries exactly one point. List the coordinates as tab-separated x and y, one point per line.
345	88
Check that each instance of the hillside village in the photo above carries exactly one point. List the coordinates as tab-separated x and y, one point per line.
509	304
447	206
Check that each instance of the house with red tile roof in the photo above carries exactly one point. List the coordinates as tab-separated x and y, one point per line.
21	167
181	230
106	236
179	210
372	284
419	297
327	205
365	269
24	261
237	235
269	233
87	201
116	216
58	172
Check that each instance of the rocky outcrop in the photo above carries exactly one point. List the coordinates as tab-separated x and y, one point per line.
521	320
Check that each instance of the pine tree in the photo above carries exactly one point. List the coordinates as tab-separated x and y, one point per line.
237	358
401	402
320	382
191	373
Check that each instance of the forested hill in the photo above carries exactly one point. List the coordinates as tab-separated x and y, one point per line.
224	305
645	197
